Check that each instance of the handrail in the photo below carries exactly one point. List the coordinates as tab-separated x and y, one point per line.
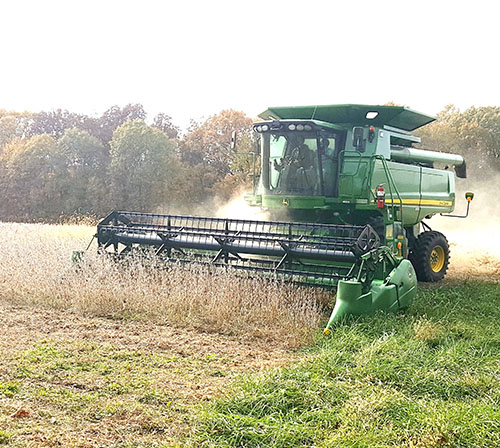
390	180
360	158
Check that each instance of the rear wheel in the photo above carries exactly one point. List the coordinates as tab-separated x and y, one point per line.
430	256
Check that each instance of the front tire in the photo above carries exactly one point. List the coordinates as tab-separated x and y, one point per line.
430	256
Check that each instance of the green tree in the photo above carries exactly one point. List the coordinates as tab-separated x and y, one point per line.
36	181
87	163
142	160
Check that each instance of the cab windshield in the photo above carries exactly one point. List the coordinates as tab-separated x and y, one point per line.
302	163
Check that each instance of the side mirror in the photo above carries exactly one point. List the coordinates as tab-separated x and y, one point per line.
468	196
461	171
358	139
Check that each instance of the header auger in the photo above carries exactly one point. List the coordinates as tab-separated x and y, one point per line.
354	192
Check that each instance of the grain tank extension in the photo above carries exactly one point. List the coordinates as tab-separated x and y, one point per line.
347	194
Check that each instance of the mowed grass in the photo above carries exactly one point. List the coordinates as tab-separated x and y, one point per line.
81	394
427	378
74	381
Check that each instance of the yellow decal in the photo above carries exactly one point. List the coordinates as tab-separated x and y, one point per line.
421	202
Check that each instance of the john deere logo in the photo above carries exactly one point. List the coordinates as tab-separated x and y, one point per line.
286	203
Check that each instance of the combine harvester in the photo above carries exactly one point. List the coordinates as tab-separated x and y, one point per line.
347	194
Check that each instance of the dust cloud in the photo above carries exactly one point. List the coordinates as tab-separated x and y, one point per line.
237	208
475	240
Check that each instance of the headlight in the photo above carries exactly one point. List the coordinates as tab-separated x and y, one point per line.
265	128
291	127
300	127
308	127
258	128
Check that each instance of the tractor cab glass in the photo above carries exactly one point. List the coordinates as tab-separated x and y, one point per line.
300	162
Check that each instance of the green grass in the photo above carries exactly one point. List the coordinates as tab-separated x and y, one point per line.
77	391
427	378
4	437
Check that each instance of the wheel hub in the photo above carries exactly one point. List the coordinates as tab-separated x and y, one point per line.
437	259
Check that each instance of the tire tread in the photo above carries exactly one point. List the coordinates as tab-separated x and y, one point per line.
420	254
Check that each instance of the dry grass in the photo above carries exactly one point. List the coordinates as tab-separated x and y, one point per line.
427	331
35	268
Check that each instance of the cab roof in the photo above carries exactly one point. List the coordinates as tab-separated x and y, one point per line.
355	114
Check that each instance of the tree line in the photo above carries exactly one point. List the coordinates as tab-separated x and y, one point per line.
473	133
59	164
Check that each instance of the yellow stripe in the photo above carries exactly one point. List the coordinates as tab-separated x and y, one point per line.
422	202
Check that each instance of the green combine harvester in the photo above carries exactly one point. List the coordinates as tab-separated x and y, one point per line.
347	194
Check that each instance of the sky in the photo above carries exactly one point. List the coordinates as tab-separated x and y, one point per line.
191	59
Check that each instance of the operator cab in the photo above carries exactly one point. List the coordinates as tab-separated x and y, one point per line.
300	157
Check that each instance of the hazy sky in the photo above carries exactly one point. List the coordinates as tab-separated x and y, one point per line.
191	59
